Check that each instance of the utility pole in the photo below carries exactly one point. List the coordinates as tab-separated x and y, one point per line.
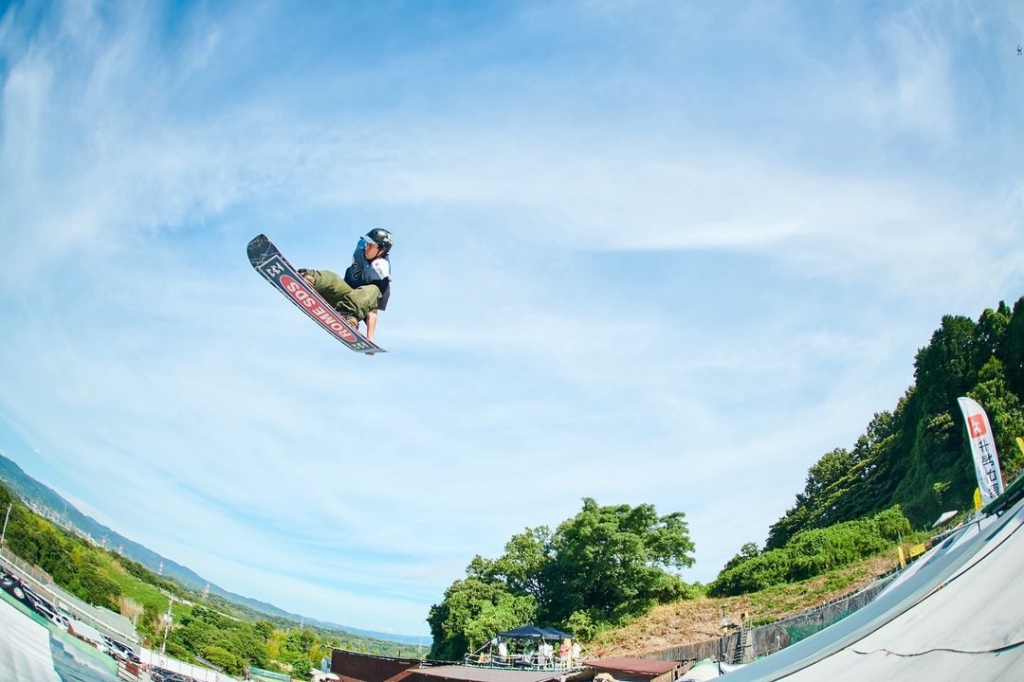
3	534
167	624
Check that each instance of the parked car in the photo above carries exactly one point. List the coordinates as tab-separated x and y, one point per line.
17	589
161	675
127	652
120	651
42	607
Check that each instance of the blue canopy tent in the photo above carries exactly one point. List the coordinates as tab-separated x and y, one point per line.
527	646
558	634
534	632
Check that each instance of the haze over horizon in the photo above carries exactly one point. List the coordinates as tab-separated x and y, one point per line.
646	252
57	509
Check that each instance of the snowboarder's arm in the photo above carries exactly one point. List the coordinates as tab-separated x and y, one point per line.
371	324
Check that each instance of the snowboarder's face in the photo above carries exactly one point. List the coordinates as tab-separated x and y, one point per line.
372	251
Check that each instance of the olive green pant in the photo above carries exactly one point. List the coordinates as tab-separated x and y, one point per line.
355	302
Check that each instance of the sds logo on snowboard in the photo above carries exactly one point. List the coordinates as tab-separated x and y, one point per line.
316	308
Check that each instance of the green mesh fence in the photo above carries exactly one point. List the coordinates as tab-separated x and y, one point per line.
770	638
783	633
268	675
797	631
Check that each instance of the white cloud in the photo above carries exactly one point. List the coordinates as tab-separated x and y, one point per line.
632	292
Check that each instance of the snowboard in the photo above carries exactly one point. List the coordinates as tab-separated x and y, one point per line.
275	268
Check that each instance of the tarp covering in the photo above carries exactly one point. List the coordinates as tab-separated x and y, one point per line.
33	652
558	634
24	648
461	673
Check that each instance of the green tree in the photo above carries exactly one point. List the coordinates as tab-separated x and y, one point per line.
474	610
602	566
919	456
1013	350
991	333
525	562
301	650
947	367
93	586
829	480
747	552
223	659
813	552
195	633
264	629
1006	412
758	573
611	562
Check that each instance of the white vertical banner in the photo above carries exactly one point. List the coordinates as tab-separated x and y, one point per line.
983	448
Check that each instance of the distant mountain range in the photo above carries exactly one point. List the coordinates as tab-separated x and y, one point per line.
62	512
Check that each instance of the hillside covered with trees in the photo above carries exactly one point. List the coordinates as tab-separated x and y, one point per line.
608	566
914	461
917	456
204	628
605	565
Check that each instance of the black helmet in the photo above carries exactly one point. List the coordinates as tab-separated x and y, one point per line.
381	238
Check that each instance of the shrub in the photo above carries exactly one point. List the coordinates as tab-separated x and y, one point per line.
223	658
755	574
811	553
891	524
823	549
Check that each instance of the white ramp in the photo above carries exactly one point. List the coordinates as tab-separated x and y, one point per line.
959	615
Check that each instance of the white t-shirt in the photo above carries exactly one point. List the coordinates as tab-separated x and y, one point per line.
381	267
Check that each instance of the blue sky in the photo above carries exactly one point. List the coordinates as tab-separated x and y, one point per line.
646	252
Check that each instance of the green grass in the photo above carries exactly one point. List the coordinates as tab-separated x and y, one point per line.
142	592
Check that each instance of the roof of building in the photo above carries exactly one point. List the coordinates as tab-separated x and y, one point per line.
638	666
464	673
85	631
353	666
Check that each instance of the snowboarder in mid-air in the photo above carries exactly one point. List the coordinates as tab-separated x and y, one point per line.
366	286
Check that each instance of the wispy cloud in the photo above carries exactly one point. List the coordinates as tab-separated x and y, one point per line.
652	253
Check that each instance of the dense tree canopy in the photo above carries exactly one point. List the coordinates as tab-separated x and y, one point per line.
213	632
918	456
810	553
603	566
473	611
609	564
